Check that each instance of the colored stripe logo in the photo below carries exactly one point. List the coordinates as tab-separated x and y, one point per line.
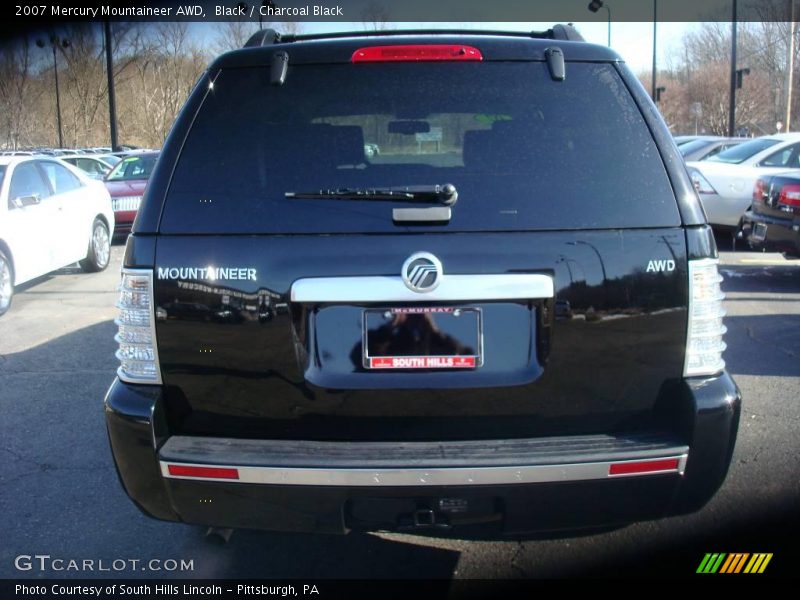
736	562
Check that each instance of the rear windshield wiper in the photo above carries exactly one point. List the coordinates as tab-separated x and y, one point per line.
445	194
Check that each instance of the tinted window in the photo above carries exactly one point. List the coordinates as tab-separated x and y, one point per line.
525	152
688	147
133	167
61	180
110	159
26	180
788	157
742	152
2	174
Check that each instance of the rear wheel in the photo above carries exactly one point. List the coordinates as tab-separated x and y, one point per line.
99	252
6	283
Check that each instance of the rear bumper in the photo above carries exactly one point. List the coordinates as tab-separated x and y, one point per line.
515	487
782	235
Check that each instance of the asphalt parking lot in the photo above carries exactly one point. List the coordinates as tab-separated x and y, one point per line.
59	493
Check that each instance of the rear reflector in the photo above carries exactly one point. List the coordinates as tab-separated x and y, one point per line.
205	472
645	466
425	52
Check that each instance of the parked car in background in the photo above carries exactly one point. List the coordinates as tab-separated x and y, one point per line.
51	215
725	181
680	140
126	183
773	222
111	159
131	151
91	165
705	147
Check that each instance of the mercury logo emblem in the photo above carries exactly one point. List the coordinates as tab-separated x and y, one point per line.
422	272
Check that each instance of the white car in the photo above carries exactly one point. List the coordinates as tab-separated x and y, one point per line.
725	182
92	165
51	215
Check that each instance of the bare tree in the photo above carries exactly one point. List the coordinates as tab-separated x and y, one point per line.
375	16
699	74
710	91
85	90
231	35
167	67
289	27
17	89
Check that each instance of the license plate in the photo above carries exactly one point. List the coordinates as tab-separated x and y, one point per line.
759	232
126	203
423	338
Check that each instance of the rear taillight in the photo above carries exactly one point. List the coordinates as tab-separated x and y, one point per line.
138	352
760	190
789	199
704	344
417	52
701	184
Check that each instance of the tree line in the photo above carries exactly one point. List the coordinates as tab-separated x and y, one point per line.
155	67
697	79
157	64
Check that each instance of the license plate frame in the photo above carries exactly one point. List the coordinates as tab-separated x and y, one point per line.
759	233
465	354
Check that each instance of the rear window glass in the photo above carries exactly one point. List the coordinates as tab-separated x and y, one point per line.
524	152
689	147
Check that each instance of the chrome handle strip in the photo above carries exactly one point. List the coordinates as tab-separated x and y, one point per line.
453	288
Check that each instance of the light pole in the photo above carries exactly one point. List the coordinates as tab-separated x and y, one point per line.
790	68
55	42
596	5
596	251
696	111
565	260
112	105
732	96
653	82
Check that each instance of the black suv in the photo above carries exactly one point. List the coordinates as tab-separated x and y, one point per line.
507	316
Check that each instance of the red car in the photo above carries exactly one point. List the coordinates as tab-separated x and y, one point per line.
126	183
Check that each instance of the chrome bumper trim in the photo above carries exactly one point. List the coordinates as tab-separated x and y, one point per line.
352	477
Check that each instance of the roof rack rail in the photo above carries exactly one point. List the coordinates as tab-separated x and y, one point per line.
566	32
267	37
263	37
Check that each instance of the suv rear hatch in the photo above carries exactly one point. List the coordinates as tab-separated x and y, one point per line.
270	308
